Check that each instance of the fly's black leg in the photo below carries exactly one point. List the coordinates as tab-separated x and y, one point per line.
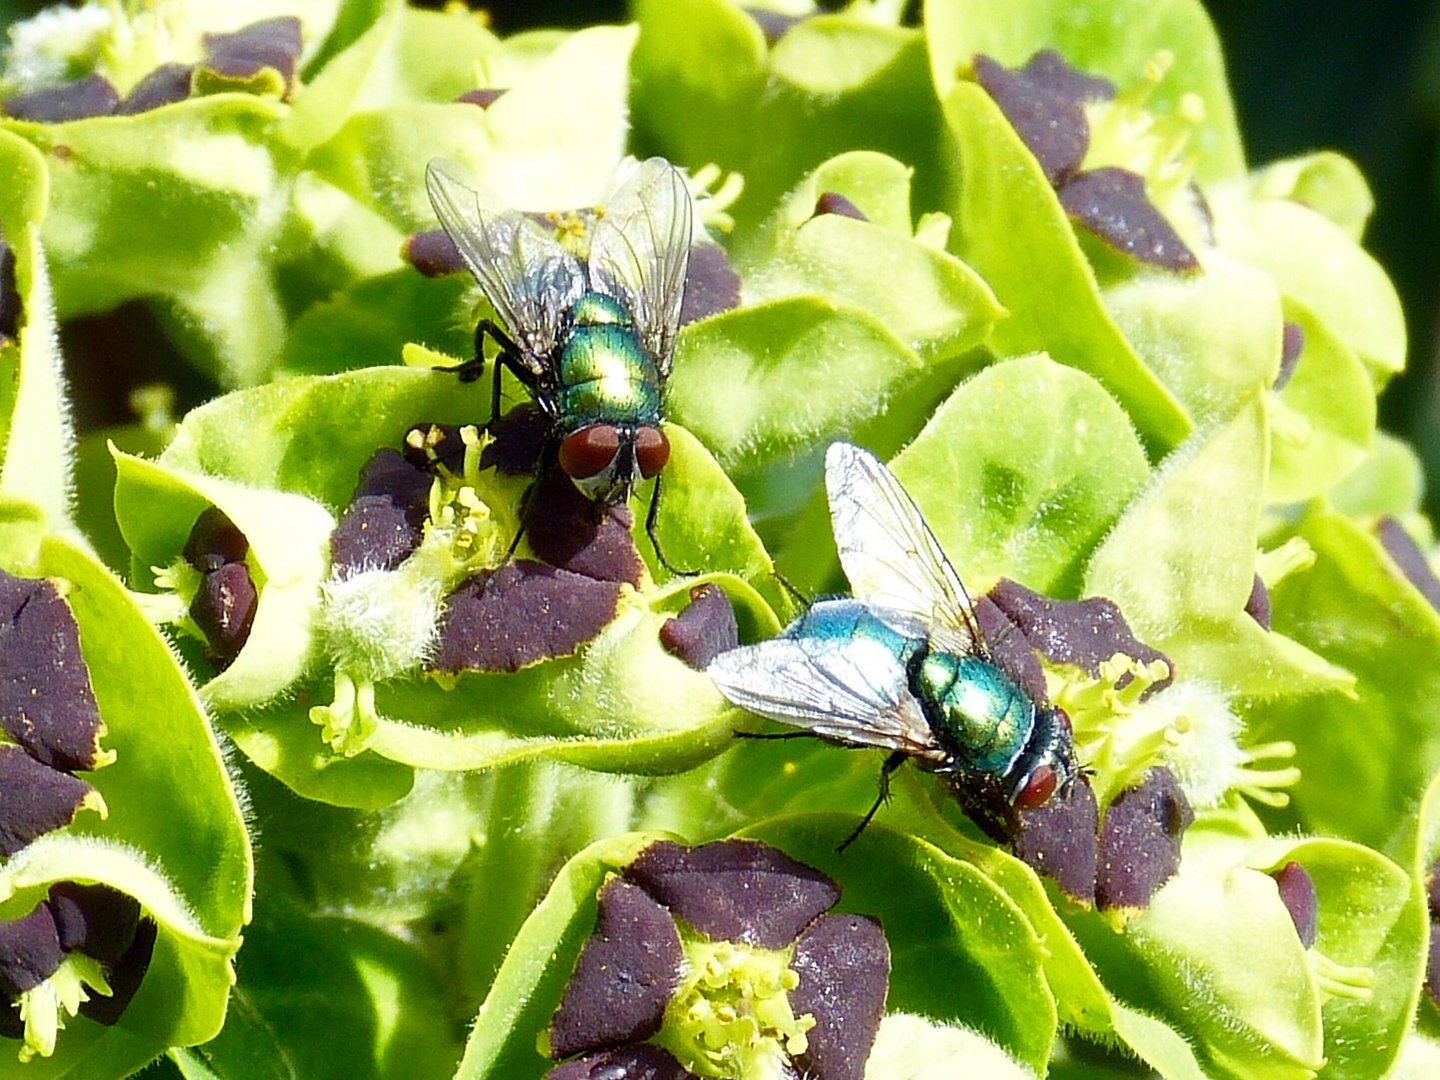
893	762
527	501
774	734
652	515
470	370
494	387
509	357
800	598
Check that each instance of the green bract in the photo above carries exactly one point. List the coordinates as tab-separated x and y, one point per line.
950	235
1005	209
709	89
34	425
172	834
1391	644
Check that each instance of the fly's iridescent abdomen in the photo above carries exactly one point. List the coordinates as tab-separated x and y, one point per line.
604	374
850	620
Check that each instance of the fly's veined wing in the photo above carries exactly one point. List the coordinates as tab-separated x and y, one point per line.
640	249
531	279
890	557
850	690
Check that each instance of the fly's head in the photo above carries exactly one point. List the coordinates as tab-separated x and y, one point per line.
1045	770
1047	765
606	460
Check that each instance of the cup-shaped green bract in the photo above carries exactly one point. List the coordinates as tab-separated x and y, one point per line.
126	849
1356	607
35	431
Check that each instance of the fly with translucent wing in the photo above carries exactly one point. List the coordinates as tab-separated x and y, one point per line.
902	666
591	340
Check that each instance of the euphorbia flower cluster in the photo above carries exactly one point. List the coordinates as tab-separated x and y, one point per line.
348	601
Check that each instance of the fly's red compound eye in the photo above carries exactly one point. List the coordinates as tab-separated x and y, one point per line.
1039	786
589	451
652	450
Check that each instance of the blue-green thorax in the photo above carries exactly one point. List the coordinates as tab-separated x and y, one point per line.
603	373
974	705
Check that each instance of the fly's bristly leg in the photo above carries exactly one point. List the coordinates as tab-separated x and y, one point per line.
494	384
801	599
527	500
652	517
471	369
893	762
773	735
508	356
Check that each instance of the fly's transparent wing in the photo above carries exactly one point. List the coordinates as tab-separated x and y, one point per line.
640	249
890	557
529	278
850	690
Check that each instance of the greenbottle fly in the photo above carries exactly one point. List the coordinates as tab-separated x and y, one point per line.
592	340
902	665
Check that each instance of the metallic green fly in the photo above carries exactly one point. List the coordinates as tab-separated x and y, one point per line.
591	340
903	666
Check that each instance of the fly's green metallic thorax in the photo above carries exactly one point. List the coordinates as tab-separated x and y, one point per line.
976	707
604	374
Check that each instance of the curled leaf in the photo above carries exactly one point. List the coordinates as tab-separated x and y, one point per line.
703	630
30	950
626	975
1059	839
1258	606
36	799
520	614
241	56
46	702
1297	892
214	541
12	306
484	97
1084	633
373	534
166	85
1043	101
735	890
94	919
518	440
1112	203
224	610
94	95
1140	841
711	284
832	202
1292	344
577	534
1411	560
433	253
844	966
640	1062
124	976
